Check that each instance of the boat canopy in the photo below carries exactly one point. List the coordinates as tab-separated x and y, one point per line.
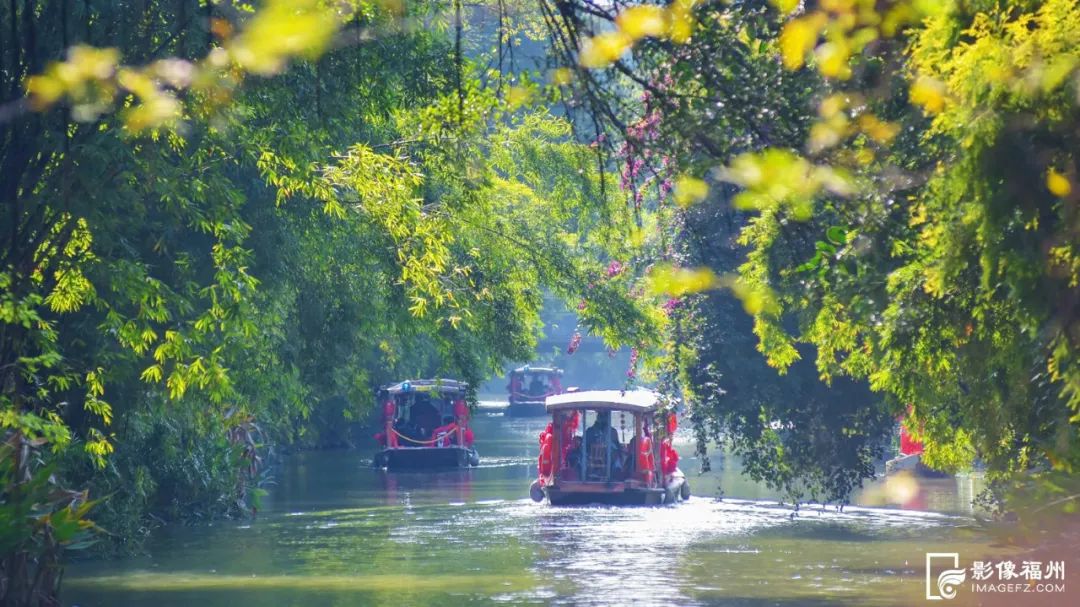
637	401
539	370
444	386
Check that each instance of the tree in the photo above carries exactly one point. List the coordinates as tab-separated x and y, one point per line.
230	238
691	66
932	257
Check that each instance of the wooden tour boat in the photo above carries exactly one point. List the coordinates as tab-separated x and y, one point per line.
611	447
528	388
909	459
425	425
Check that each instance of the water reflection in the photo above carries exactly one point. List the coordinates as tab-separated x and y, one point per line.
337	532
453	485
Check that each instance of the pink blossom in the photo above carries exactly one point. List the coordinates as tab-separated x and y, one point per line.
665	187
575	341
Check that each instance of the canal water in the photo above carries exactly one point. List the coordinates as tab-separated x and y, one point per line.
336	532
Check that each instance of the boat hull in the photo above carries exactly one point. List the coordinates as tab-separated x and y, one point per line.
913	464
626	497
526	409
426	458
577	493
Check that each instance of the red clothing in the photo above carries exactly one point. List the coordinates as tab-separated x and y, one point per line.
908	445
445	435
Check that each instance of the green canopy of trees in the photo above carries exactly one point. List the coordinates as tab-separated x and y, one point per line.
888	193
222	229
224	223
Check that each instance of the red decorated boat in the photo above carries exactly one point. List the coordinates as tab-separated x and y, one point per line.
528	388
611	447
425	425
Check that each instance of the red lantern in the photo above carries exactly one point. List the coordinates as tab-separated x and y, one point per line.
544	465
389	409
645	460
672	424
460	410
546	433
669	458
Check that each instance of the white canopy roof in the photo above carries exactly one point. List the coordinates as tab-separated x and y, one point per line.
638	401
426	385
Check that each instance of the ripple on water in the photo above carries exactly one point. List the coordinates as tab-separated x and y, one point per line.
473	537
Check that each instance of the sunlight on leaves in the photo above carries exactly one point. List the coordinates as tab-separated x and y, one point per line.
756	298
604	49
785	6
644	20
1058	184
798	37
562	76
1055	74
689	190
682	20
668	280
518	96
83	77
928	93
832	59
675	22
780	178
877	129
280	30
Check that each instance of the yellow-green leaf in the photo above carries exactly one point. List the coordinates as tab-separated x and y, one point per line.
689	190
603	49
928	93
798	37
1058	184
668	280
643	20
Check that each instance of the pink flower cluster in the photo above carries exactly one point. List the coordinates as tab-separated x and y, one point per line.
637	148
615	268
575	341
632	371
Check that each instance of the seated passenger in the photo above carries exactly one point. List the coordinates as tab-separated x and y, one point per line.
601	433
445	435
573	455
601	430
536	387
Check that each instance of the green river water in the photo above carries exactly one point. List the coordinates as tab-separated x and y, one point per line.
336	532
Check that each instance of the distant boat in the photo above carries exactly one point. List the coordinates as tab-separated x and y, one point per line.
425	425
629	462
528	388
910	458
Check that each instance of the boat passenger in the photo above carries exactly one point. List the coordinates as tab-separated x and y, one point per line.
601	430
536	386
601	433
573	454
445	435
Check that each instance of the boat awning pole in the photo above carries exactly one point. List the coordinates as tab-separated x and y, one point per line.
584	455
607	460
